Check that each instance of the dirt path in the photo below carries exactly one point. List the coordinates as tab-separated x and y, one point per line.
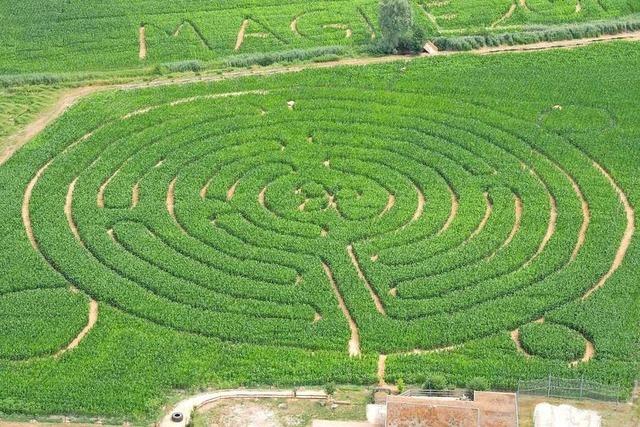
455	204
586	218
382	361
354	342
68	212
363	278
135	195
551	229
506	16
391	201
421	202
240	38
142	53
232	190
626	237
516	226
92	319
17	140
485	219
26	220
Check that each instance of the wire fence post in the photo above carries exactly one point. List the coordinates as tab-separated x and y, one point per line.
549	386
581	386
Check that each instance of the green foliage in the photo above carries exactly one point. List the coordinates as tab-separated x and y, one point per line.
60	37
435	382
317	54
396	20
478	384
330	388
552	341
400	385
208	216
565	32
183	66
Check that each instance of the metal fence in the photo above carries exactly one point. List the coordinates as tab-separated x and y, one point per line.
457	394
571	389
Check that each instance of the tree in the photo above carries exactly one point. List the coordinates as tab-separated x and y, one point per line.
396	22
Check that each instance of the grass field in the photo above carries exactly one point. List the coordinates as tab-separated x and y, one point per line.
59	36
290	230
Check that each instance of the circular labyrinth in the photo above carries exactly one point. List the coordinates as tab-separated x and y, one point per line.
354	220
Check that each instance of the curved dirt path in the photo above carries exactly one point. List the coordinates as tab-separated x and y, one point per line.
514	230
506	16
91	322
26	220
626	237
455	204
485	219
391	201
354	342
589	348
66	100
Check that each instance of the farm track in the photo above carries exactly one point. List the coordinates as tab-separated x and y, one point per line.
70	97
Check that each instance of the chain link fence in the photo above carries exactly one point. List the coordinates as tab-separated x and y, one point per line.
570	389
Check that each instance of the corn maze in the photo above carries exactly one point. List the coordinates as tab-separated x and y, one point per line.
63	36
371	220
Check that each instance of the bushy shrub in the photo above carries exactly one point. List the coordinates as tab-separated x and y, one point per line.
435	382
183	66
330	388
478	384
249	59
537	35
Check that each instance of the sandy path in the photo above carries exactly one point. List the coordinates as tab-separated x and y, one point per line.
294	26
92	319
626	238
142	41
382	361
391	201
516	226
524	5
232	190
26	216
68	212
515	337
102	189
483	223
26	220
66	100
135	195
240	38
551	229
586	218
171	204
261	196
421	202
374	295
506	16
354	342
455	204
204	401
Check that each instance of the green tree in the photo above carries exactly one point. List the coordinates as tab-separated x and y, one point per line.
396	22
